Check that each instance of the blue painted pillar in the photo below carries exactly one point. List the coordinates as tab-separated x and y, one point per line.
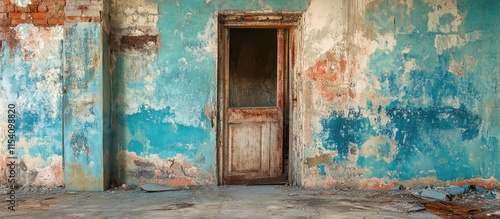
86	107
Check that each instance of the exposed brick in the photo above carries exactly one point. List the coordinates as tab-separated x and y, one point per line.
33	8
138	42
61	2
3	16
56	21
40	15
3	8
83	19
19	21
6	22
16	15
82	7
21	9
40	21
42	8
11	8
35	2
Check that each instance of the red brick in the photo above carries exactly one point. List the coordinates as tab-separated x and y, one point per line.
35	2
15	15
42	8
6	22
11	8
40	15
61	2
3	16
33	8
3	8
21	9
19	21
56	21
40	21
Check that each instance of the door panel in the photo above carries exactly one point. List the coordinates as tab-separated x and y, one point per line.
253	106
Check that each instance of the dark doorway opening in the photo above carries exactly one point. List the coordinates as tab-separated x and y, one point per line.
253	104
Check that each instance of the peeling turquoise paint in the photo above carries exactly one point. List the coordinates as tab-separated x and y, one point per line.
170	119
84	114
30	78
443	118
321	169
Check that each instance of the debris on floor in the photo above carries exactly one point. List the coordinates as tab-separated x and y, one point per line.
442	209
494	194
435	194
458	202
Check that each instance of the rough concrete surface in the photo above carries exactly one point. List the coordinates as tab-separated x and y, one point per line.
225	202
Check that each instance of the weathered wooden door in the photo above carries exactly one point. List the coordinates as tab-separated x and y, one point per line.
253	105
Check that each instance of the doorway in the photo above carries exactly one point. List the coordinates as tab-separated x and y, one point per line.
253	109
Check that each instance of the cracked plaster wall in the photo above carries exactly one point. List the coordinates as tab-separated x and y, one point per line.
401	92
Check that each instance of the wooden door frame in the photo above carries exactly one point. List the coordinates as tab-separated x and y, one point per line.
288	20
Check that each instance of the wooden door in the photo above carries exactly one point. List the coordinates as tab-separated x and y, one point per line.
253	106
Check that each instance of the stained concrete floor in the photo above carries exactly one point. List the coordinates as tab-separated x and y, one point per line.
218	202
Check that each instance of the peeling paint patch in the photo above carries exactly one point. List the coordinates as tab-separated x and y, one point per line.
381	147
445	17
81	179
31	77
322	159
21	3
174	171
145	42
414	121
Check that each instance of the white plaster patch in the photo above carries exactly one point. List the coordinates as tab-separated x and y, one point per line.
21	3
82	104
444	42
42	49
386	41
441	8
463	66
325	27
134	17
209	39
374	145
51	175
410	65
408	3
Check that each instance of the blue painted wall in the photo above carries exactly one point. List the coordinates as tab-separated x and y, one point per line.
436	70
160	99
31	78
402	92
85	111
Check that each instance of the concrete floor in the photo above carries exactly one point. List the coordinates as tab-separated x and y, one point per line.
218	202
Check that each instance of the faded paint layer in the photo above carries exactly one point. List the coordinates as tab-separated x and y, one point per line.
85	111
164	88
31	78
404	92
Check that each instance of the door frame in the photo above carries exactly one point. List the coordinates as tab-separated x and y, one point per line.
290	21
